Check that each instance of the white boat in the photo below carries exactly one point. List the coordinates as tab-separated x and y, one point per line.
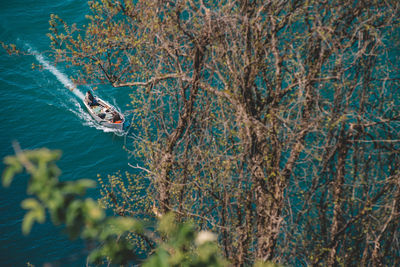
104	113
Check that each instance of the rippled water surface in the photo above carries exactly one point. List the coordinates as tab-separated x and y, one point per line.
38	110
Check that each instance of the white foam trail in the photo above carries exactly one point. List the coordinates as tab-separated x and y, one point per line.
59	75
89	121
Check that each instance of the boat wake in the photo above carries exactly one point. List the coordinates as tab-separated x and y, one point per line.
59	75
77	110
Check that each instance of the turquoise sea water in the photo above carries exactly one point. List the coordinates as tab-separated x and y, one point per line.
38	110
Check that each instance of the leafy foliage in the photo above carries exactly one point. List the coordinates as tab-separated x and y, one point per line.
83	217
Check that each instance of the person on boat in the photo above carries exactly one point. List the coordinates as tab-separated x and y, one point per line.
116	118
91	100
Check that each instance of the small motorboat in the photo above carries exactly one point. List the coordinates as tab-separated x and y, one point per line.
104	113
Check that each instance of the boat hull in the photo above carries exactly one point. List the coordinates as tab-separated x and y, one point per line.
102	113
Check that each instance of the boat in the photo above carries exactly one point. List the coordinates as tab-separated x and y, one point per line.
104	113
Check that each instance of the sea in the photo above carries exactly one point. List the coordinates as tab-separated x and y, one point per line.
38	109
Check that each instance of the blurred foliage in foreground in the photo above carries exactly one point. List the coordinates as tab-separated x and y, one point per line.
176	244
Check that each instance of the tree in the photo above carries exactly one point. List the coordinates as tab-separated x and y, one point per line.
272	123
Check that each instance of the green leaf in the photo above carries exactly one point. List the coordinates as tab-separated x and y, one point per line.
73	212
36	213
92	210
124	224
160	258
266	264
30	204
74	219
86	183
79	187
27	223
167	224
14	167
